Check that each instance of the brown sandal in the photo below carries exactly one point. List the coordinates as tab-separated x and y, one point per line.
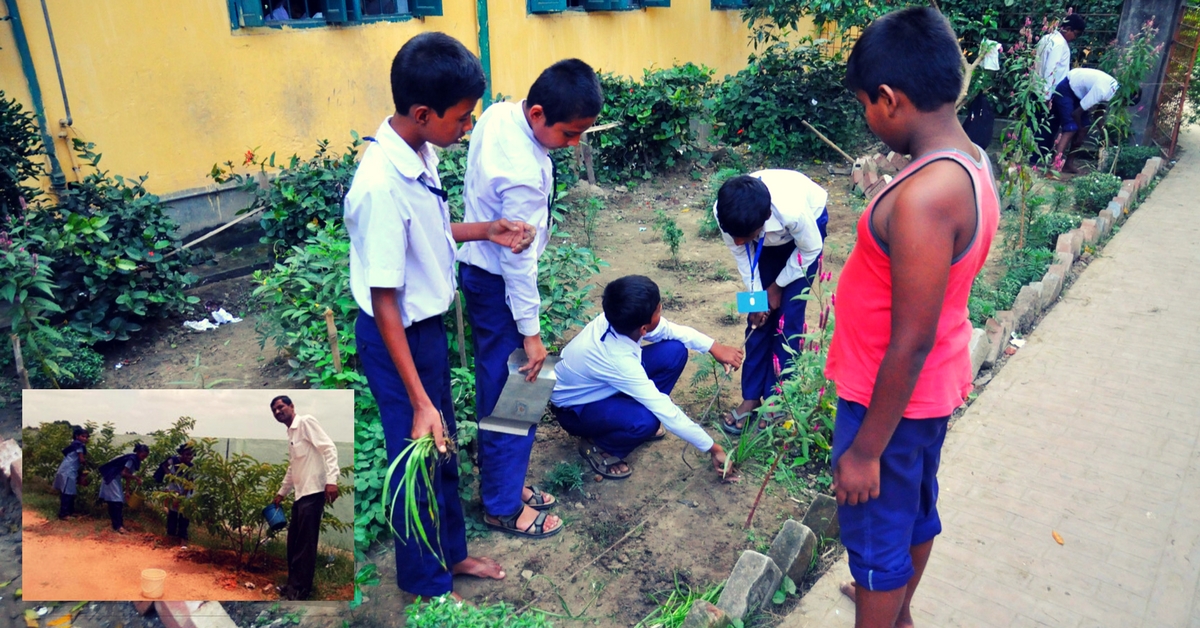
535	530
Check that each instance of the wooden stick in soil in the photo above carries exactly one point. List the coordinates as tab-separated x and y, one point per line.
763	487
600	555
333	340
828	141
22	373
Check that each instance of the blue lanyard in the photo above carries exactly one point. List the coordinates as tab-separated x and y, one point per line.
754	261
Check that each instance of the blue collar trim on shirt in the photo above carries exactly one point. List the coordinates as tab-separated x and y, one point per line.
438	192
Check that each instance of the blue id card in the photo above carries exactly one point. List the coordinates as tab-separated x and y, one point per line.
748	302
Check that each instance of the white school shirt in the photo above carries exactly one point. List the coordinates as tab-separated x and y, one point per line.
599	363
1052	61
312	458
400	230
1092	86
796	203
509	175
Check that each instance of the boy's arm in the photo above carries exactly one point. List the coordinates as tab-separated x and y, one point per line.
523	203
516	236
807	236
426	418
696	341
920	232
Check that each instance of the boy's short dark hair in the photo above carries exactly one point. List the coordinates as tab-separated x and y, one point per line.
912	50
79	431
743	206
568	90
435	70
630	302
1074	22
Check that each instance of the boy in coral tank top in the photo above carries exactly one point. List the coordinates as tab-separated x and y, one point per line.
900	354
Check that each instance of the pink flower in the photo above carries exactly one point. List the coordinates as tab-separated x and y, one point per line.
821	393
775	361
779	328
804	328
833	300
800	258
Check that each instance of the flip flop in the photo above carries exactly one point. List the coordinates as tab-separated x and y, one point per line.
537	501
535	530
600	462
738	417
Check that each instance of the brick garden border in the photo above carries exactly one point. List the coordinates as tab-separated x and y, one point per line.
755	576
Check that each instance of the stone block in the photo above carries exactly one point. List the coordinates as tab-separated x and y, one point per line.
884	164
899	162
875	189
193	615
792	549
998	335
1090	231
753	581
1103	225
981	347
1063	246
1027	306
1076	242
1052	283
1142	181
821	517
1157	163
1064	258
856	173
1129	186
706	615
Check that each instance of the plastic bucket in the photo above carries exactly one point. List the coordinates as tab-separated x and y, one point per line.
135	501
275	517
152	583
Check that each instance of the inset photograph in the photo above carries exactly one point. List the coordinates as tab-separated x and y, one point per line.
188	495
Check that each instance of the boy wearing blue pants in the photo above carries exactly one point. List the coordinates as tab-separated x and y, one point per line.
614	393
773	221
402	248
510	175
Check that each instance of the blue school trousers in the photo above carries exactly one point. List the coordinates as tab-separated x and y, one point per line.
618	424
766	344
503	458
418	570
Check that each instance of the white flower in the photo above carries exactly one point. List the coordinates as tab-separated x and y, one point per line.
814	102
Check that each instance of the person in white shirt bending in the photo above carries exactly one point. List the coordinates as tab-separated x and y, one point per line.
1082	90
774	223
510	175
615	394
312	472
1052	61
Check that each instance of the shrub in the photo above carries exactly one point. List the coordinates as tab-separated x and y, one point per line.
563	272
709	228
1045	229
763	105
565	477
670	233
655	120
304	194
20	163
79	367
444	611
1093	191
1130	160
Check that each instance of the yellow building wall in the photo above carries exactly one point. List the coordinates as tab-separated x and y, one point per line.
168	89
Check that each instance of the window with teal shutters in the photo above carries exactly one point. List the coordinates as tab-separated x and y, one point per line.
597	5
728	4
656	3
547	6
426	7
251	12
335	12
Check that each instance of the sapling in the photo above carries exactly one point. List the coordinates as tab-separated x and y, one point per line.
420	456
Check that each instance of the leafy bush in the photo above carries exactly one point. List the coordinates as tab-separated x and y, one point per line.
1128	62
763	105
1045	229
304	194
452	171
1093	191
79	367
444	611
655	120
563	272
710	229
1130	160
670	233
19	157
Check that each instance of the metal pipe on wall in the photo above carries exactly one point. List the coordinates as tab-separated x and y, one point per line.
58	181
57	66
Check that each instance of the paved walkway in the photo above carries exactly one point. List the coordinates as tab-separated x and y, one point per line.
1092	430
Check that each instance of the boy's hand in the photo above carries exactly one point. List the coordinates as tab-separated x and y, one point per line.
517	236
717	453
774	297
427	420
278	500
331	493
730	357
855	478
536	352
757	319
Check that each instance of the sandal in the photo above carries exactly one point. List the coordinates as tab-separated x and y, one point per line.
769	418
537	501
739	422
600	462
535	530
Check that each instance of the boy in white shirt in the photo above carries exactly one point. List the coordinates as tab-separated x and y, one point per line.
1052	61
1081	91
510	175
615	393
402	248
774	222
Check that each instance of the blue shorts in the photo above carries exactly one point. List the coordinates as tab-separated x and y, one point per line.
1063	104
879	534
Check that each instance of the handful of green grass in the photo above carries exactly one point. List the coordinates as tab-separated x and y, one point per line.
421	458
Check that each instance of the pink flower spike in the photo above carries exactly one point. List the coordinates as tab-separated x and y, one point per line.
833	300
779	328
804	328
821	393
775	361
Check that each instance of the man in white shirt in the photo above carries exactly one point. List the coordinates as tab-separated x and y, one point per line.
312	473
1076	95
1052	61
615	394
510	175
774	223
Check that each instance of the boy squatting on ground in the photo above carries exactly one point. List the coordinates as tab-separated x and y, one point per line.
899	352
773	221
112	491
1082	90
402	249
70	471
510	175
615	394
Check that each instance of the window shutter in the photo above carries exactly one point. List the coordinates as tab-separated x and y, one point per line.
547	6
597	5
252	12
656	3
426	7
335	11
728	4
624	5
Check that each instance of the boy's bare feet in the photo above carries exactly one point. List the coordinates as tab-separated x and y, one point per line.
847	589
480	567
905	619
